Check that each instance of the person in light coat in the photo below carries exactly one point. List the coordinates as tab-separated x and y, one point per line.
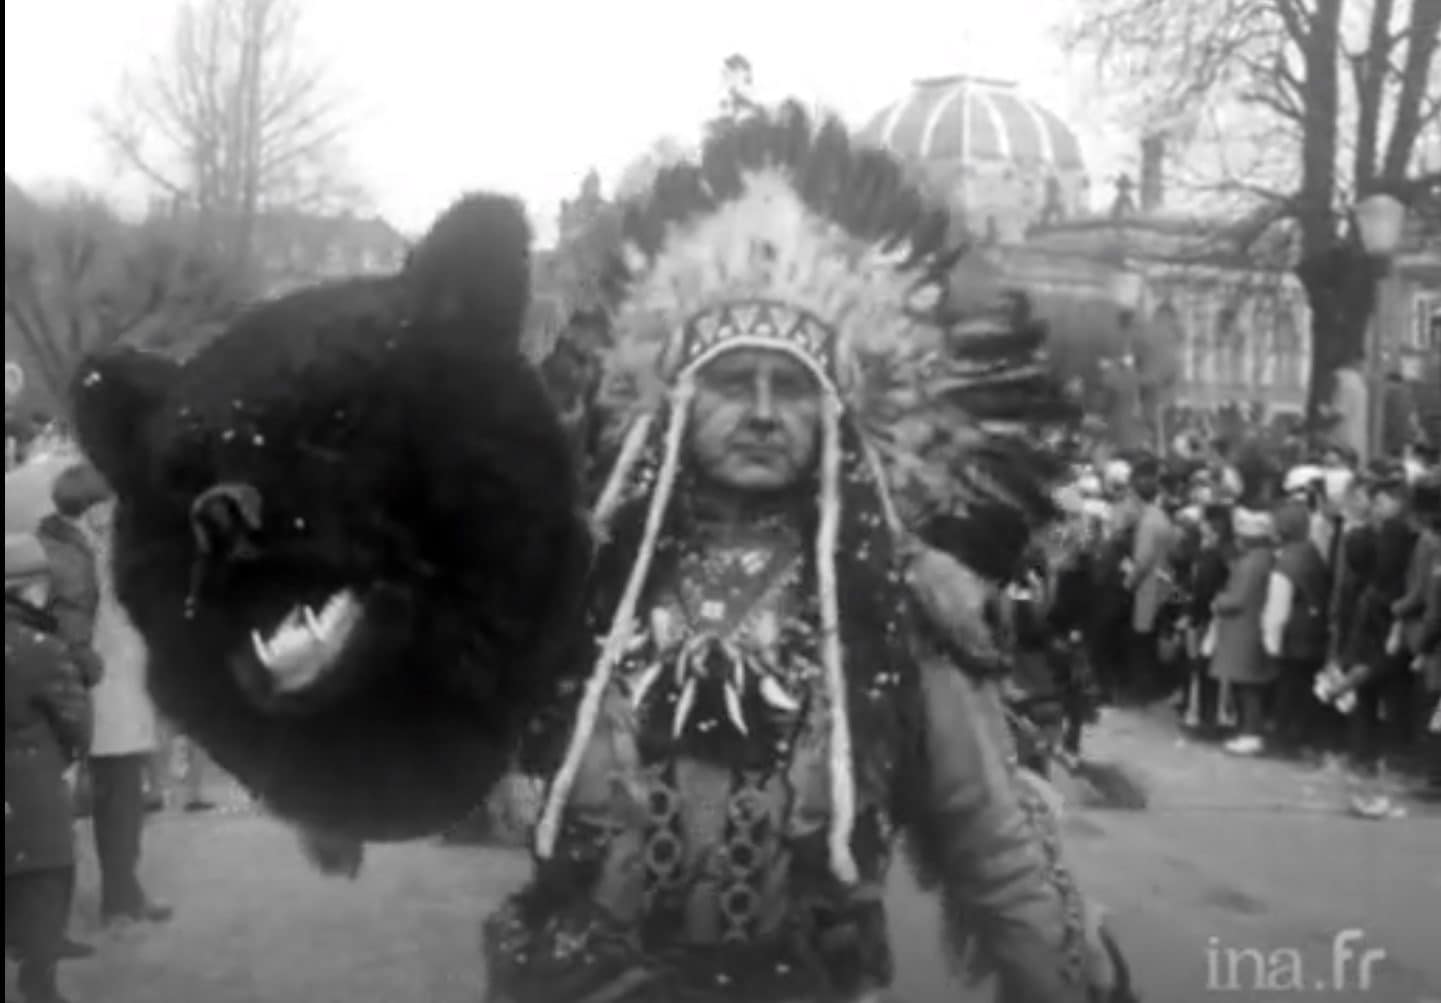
1239	657
123	744
1149	579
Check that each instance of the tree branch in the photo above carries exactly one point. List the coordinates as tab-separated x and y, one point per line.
1369	76
229	119
1425	27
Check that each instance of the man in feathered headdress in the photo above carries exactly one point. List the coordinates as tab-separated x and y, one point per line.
783	676
347	533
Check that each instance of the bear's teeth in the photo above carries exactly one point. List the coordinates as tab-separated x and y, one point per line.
318	628
305	644
338	612
262	650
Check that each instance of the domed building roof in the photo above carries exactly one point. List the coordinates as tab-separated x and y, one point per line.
974	120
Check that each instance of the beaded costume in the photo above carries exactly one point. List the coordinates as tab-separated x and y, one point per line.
766	712
349	532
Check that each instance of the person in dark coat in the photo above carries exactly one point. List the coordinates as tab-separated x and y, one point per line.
1066	620
1429	641
1209	570
74	582
1294	629
1355	563
1373	656
1109	631
1410	610
47	728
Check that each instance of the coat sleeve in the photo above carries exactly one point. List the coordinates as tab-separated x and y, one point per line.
1430	635
1231	600
74	592
1413	603
1146	548
65	702
1000	872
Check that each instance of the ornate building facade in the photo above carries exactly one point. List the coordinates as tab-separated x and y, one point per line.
1002	160
1230	334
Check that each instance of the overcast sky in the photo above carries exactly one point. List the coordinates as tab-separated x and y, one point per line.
450	95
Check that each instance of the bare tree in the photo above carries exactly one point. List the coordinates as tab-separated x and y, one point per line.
79	279
570	295
1342	92
233	121
635	180
738	86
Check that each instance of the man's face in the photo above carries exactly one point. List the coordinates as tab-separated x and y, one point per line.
755	420
1385	505
1357	503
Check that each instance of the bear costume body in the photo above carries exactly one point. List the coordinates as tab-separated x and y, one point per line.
364	484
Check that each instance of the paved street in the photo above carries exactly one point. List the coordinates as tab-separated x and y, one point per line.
1232	856
1236	855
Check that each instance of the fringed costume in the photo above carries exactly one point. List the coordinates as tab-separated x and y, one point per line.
348	530
768	708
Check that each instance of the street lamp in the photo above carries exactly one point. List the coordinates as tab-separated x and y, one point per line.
1126	288
1380	222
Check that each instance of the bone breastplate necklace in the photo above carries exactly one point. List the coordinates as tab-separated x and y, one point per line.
716	636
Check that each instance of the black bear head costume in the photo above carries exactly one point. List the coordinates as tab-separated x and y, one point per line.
350	533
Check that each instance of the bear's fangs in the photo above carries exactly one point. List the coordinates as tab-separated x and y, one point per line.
305	644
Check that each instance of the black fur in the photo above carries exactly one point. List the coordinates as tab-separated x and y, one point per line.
400	447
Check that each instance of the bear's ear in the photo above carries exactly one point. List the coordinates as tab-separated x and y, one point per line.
474	266
113	396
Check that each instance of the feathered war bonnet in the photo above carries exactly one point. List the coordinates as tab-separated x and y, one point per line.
786	236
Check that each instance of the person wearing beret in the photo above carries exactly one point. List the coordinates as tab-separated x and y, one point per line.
47	729
74	587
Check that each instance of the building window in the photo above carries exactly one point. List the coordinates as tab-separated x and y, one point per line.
1425	333
1290	351
1169	339
1202	336
1231	345
1266	367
